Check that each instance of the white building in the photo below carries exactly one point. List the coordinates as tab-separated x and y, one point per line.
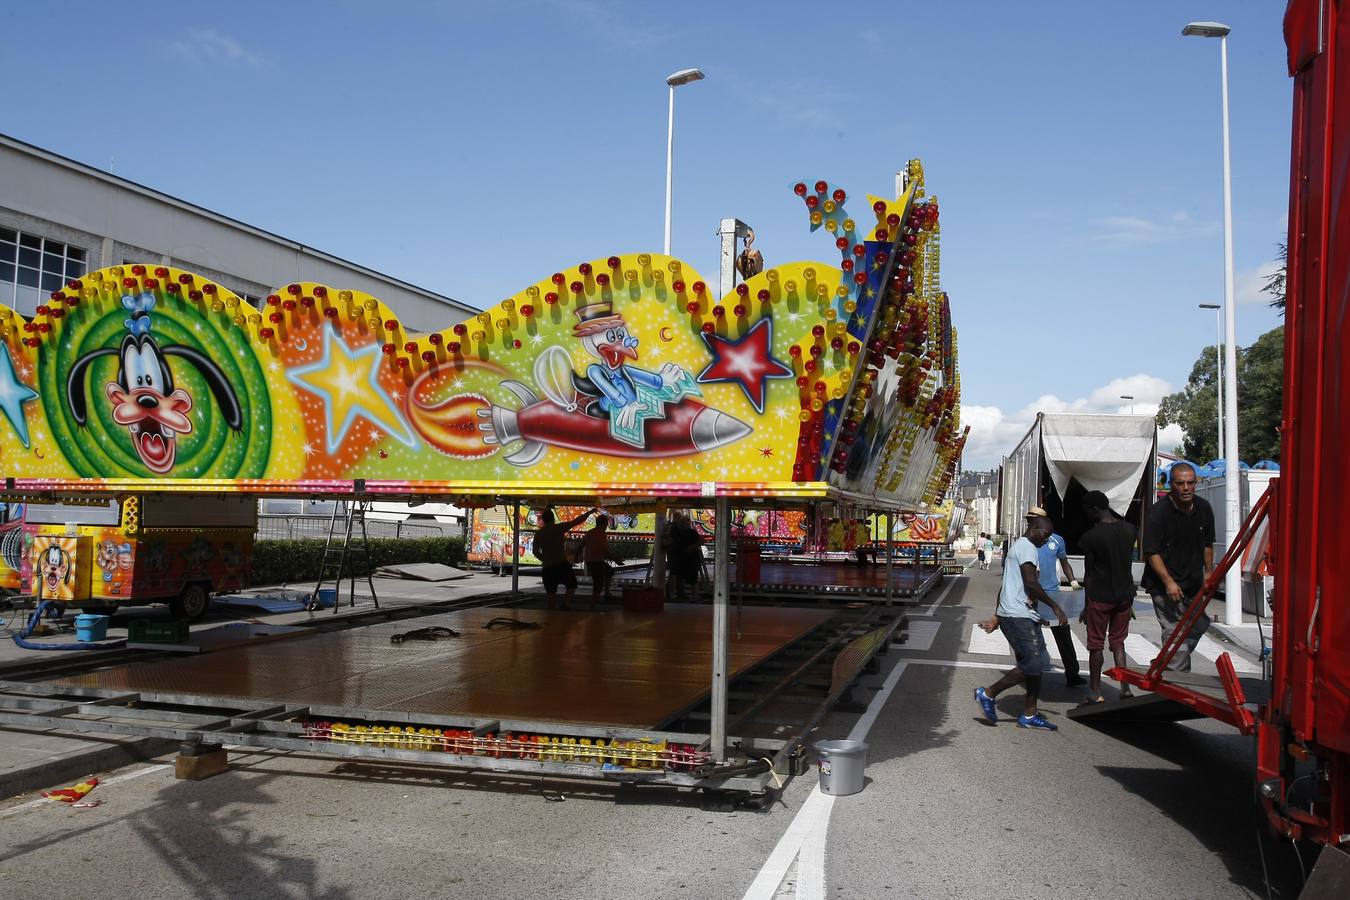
60	218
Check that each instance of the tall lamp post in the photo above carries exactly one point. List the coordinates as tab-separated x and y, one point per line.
684	76
1218	362
1129	397
1232	614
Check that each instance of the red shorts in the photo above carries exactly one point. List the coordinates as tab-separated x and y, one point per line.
1104	617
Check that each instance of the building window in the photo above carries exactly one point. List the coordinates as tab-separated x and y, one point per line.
31	267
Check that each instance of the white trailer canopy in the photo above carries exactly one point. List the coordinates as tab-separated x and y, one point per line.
1105	453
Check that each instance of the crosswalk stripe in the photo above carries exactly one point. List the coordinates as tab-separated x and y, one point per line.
921	634
1140	649
994	643
1079	648
1211	649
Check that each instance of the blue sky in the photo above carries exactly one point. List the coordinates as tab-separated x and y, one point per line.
474	147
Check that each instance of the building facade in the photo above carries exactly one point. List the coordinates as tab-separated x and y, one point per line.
60	218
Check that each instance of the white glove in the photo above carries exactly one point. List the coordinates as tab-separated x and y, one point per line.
627	414
670	374
1076	585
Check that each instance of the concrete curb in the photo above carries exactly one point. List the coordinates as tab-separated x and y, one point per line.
53	771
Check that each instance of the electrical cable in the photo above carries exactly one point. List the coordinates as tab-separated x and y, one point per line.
19	636
514	624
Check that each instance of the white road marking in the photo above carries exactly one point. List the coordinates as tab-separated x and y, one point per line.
942	596
1211	650
102	782
1140	649
804	840
993	643
921	635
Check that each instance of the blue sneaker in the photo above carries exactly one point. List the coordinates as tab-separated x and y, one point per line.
1036	721
986	705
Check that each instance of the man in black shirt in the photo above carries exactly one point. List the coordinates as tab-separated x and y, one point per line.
1108	550
1179	555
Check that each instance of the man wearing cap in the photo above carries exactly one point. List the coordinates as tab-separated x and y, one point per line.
1020	624
1054	557
1108	551
1179	555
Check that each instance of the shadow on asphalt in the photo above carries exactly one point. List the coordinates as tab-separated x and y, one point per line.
1211	795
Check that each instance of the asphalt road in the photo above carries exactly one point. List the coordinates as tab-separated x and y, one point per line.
954	807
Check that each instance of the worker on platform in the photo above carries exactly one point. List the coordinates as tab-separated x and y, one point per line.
550	548
596	555
1054	557
1108	553
860	535
1179	555
1018	620
684	554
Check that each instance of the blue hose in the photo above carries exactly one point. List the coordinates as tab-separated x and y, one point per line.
32	623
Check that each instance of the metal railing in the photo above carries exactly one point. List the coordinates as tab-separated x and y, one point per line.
316	527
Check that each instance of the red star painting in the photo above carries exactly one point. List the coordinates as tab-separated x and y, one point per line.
748	361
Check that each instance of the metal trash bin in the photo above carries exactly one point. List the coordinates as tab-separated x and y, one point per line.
841	765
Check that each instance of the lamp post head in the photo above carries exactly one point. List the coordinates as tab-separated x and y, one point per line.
1206	29
684	76
1209	306
1127	396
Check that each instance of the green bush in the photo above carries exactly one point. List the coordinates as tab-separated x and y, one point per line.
630	548
298	561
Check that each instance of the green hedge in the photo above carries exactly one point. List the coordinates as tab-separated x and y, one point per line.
275	562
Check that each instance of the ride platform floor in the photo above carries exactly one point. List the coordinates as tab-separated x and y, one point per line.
615	668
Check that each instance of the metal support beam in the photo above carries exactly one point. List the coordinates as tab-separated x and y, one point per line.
729	231
890	562
721	646
658	567
515	550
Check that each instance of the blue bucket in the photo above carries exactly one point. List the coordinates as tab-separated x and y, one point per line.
327	597
91	628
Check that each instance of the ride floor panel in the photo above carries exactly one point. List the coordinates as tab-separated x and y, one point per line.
613	668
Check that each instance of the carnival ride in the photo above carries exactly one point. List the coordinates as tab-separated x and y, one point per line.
617	381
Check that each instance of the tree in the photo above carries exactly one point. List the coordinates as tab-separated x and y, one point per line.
1260	402
1274	285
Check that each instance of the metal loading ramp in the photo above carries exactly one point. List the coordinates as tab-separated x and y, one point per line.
1145	707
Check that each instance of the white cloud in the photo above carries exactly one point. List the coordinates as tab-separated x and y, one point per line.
1247	285
1129	231
993	433
210	45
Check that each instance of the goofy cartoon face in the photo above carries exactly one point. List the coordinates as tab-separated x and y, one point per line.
54	569
143	397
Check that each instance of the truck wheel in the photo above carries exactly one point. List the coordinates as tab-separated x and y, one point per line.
191	604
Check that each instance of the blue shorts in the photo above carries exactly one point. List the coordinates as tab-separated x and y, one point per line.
1028	643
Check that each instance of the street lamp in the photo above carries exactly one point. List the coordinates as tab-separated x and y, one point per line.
1129	397
1218	362
1232	614
684	76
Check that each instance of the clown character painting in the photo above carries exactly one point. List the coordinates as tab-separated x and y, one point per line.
622	391
613	408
